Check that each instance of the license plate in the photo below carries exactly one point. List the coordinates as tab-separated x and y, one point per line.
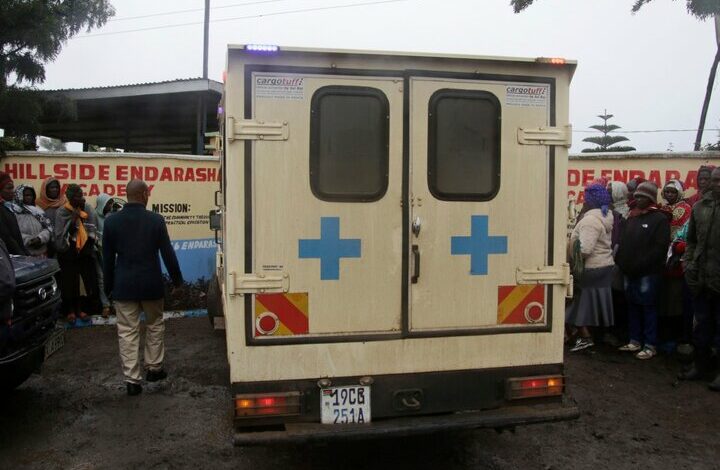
342	405
55	342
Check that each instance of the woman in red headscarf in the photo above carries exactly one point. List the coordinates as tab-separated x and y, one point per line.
674	297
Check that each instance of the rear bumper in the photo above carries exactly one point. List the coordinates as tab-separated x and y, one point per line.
504	417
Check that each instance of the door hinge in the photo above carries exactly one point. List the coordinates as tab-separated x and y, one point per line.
545	135
258	283
250	129
547	275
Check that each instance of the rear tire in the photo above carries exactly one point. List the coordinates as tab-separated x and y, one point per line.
214	303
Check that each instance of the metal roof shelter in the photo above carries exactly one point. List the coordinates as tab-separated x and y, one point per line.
167	117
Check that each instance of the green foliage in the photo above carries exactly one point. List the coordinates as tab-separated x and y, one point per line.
22	142
32	32
606	142
520	5
619	148
605	128
701	9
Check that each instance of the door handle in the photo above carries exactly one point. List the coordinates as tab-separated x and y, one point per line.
416	264
416	226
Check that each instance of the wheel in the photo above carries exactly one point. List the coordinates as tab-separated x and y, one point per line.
214	302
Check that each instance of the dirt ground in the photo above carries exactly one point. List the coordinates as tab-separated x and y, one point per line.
76	415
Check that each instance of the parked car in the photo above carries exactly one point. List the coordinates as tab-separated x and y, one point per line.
28	332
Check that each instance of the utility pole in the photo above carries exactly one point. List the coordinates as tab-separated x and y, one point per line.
206	39
708	92
201	111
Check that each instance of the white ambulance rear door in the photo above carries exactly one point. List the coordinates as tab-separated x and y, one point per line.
324	205
480	204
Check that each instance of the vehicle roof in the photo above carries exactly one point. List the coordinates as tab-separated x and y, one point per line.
572	64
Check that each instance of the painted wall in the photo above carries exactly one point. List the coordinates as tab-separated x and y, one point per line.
656	167
181	189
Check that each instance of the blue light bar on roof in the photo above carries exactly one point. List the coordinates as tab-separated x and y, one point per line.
261	48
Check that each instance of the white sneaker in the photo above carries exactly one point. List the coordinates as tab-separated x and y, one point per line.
632	346
646	353
582	343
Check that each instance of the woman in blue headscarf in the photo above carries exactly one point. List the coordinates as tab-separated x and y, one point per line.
592	242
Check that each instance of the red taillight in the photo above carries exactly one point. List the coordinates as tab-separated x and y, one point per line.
533	387
266	404
551	60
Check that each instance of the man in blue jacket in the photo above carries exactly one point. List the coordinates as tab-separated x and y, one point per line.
133	279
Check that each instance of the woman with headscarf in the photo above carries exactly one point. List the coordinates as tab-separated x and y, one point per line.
678	208
703	183
592	304
675	300
619	193
35	228
75	235
50	199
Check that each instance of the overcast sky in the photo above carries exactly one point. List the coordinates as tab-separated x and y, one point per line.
649	69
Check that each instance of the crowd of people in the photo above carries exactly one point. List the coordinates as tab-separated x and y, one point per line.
60	225
647	273
99	260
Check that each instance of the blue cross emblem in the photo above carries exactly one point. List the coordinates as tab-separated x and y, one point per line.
329	248
479	245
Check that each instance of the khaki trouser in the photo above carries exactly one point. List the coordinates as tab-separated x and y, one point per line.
128	323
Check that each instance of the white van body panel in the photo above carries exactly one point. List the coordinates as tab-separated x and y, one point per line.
356	323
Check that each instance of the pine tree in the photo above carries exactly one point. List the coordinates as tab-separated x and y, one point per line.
606	141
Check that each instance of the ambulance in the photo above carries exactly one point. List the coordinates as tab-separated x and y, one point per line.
391	232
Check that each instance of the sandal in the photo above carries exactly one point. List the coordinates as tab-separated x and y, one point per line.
105	312
646	353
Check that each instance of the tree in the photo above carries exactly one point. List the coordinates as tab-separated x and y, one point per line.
32	32
702	9
606	141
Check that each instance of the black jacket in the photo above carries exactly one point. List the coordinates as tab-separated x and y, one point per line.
132	239
10	232
702	256
644	244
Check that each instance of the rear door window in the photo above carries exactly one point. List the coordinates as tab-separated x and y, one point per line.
464	145
349	144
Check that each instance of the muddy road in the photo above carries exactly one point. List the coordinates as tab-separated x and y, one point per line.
76	415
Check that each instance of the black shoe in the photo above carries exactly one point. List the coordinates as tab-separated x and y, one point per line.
693	373
133	389
155	375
